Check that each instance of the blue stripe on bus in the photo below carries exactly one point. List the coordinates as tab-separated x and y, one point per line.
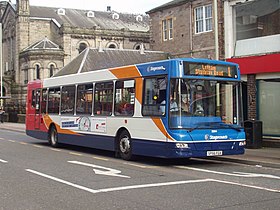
147	147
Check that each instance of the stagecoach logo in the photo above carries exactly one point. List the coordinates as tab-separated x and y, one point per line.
211	137
155	68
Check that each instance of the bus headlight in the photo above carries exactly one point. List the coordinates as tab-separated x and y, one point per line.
182	145
242	143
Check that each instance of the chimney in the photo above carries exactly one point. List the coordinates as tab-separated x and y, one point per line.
108	8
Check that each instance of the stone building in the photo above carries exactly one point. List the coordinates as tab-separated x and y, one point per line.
186	28
38	41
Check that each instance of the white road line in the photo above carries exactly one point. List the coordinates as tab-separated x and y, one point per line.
74	153
57	150
117	188
139	166
99	158
246	185
62	181
12	141
37	146
237	174
153	185
3	161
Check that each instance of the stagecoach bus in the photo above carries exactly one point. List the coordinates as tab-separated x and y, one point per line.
177	108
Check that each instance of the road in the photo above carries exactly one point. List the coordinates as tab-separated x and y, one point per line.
35	176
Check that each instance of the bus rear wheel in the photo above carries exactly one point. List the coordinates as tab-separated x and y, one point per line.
53	138
125	145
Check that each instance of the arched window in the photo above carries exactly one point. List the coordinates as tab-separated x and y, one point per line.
51	70
137	47
82	46
37	70
112	46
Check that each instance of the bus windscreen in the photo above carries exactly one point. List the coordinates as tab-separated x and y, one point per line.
213	70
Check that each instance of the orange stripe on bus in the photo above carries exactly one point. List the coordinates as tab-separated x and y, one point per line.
161	127
125	72
139	89
48	122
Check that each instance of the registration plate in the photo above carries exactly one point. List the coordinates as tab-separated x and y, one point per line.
214	153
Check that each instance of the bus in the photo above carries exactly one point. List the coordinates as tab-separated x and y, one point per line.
177	108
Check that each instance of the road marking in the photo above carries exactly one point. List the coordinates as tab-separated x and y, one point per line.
1	139
12	141
74	153
259	175
23	143
3	161
62	181
238	174
99	158
57	150
104	170
153	185
38	146
140	166
249	186
117	188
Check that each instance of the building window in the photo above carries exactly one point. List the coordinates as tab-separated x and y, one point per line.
37	71
25	76
203	19
82	46
113	46
51	70
167	29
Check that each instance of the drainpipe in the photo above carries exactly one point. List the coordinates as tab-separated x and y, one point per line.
215	4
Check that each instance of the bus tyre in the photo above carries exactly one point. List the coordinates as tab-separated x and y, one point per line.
124	145
53	138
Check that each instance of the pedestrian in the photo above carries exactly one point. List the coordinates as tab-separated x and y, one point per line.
2	112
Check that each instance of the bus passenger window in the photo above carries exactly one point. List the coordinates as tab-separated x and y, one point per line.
67	100
124	98
53	102
84	99
154	101
103	99
44	101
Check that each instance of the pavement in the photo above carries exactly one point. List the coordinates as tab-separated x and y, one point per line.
262	157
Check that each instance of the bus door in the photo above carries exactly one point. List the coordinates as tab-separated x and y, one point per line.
37	116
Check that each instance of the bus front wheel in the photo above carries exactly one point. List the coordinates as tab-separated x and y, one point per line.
53	139
124	145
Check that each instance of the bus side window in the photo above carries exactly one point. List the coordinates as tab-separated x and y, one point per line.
44	101
84	99
125	97
68	99
54	100
154	102
103	98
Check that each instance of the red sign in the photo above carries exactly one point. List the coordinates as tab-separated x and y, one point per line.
258	64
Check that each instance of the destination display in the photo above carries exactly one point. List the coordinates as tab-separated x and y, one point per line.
201	69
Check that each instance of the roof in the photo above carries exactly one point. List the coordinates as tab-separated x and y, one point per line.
44	44
92	59
96	19
168	5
